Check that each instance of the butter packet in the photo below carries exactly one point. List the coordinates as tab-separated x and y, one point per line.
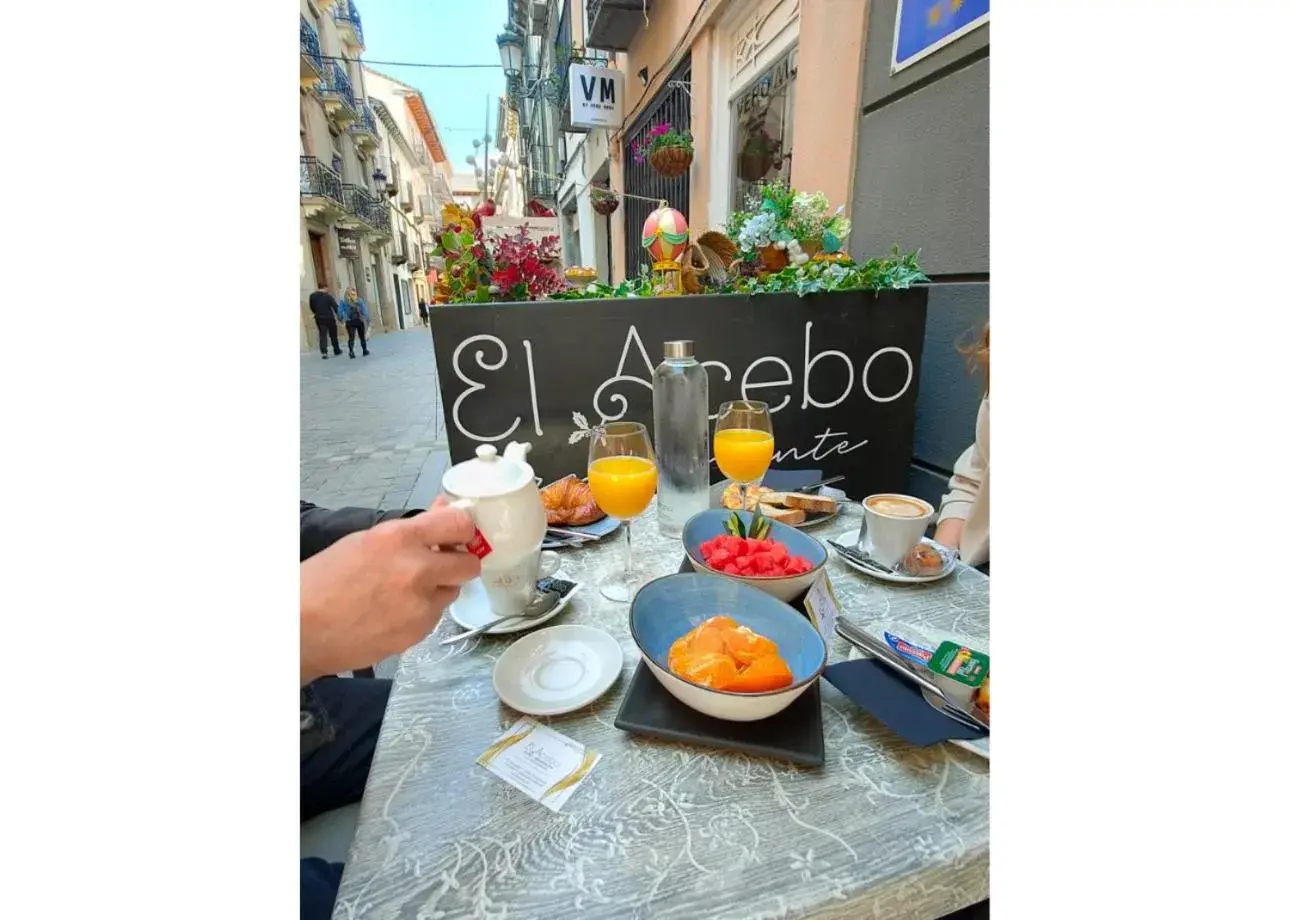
960	663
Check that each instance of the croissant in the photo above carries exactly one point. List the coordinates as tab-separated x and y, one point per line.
569	503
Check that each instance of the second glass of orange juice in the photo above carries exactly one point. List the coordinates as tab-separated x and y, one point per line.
623	477
744	443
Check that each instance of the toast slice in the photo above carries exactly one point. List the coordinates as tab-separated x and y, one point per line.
789	516
816	504
774	498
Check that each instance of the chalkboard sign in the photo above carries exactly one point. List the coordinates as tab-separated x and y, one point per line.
840	372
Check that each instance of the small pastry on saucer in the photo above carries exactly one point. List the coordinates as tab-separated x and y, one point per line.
923	559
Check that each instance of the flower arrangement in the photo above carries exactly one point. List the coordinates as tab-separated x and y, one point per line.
524	266
669	151
780	225
509	267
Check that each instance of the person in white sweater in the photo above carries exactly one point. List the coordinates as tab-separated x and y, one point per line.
964	521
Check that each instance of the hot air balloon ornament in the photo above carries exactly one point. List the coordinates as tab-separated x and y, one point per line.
665	237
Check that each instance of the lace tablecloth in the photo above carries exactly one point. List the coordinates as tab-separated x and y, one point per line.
661	829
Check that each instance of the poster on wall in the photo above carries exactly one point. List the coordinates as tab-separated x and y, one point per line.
839	371
348	240
923	27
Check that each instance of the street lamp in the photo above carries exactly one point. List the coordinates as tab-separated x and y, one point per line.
510	47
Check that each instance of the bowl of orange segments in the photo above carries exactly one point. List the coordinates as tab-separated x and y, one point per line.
725	649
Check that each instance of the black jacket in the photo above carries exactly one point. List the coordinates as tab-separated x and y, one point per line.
323	306
319	529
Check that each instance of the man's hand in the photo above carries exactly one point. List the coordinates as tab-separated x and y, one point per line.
381	591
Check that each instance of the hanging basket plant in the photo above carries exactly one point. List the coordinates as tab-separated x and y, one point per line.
604	200
668	151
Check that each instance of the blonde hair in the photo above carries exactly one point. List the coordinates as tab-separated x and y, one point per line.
351	290
978	354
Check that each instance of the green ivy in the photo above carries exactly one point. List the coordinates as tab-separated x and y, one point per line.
894	272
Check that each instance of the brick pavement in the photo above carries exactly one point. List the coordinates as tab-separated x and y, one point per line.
371	429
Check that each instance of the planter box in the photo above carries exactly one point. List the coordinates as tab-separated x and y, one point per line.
840	371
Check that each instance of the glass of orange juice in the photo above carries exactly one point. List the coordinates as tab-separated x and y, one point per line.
623	477
743	443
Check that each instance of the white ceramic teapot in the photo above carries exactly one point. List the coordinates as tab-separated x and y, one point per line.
501	496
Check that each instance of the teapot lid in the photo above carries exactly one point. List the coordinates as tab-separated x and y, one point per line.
488	475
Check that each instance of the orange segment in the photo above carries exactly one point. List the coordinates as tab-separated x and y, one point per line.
770	673
746	646
721	654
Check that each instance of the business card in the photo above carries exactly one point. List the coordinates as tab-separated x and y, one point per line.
539	761
822	608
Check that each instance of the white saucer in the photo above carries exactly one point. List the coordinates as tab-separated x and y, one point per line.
557	670
849	539
471	609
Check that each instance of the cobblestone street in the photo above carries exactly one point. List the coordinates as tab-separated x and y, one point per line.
371	429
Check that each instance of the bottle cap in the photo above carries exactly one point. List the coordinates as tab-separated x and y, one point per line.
682	348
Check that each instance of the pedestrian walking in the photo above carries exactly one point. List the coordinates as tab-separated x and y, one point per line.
425	312
325	310
353	313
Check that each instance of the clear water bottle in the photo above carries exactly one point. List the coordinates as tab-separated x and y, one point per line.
680	436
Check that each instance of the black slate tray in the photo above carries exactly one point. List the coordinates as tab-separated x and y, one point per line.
795	735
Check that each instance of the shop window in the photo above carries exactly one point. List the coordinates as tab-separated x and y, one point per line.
763	117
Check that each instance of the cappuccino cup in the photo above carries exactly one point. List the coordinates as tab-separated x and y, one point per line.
512	587
894	524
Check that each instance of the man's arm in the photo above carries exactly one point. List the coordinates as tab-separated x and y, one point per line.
320	527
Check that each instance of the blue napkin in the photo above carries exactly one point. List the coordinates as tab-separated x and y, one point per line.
896	703
789	480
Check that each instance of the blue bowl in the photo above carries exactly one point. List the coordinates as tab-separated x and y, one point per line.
708	524
667	608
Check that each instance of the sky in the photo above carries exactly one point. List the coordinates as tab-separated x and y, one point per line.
441	32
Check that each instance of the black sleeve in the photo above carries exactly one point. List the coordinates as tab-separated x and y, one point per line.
320	527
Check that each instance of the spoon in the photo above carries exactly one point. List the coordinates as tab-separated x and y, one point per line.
541	605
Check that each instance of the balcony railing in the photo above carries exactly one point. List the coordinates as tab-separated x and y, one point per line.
364	129
310	51
346	16
359	202
319	181
338	85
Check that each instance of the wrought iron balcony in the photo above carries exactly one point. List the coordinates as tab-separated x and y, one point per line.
311	62
348	25
338	96
320	189
364	130
400	253
614	23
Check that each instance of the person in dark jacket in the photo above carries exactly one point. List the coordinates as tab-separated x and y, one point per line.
353	313
372	584
425	312
325	310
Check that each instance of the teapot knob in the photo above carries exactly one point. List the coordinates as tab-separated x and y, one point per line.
486	452
517	451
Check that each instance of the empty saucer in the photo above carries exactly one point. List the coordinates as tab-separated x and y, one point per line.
557	670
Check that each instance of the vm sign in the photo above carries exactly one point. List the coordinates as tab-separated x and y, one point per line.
595	97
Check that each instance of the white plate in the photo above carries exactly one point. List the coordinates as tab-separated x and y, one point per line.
471	609
978	746
601	529
557	670
849	539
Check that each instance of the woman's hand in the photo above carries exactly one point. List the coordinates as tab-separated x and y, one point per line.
950	532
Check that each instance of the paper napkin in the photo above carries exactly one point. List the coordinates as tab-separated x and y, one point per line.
896	703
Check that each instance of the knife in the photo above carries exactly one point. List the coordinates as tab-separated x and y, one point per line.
861	557
867	643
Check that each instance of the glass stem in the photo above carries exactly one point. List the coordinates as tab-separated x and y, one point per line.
627	569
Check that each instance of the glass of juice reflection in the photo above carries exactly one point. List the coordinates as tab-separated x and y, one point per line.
623	478
744	443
